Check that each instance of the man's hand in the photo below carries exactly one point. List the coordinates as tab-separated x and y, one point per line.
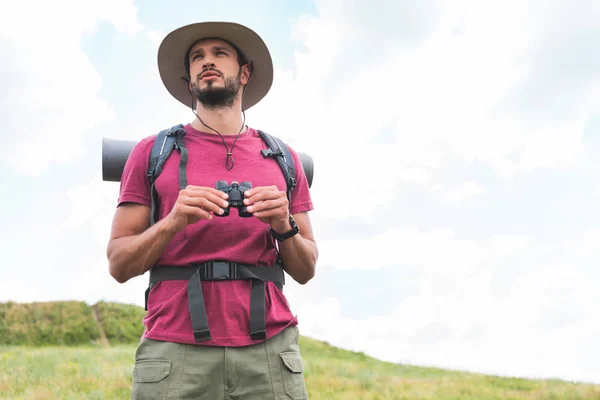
269	205
195	203
299	253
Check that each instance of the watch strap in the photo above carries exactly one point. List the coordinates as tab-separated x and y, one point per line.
286	235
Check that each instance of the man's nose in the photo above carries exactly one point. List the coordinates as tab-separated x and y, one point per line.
208	63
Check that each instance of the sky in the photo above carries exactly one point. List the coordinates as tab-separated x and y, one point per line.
455	147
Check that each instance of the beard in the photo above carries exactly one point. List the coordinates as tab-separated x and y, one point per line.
214	97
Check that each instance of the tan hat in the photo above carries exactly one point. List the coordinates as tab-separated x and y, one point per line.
175	46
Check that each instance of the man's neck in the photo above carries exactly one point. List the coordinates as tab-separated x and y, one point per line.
226	121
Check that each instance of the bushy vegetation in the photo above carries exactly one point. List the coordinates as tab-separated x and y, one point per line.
68	323
122	323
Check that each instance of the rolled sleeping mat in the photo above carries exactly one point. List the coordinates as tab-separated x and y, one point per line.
114	157
308	166
116	151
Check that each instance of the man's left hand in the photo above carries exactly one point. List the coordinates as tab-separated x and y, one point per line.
269	205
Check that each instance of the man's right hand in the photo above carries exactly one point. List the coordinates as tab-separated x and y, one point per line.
195	203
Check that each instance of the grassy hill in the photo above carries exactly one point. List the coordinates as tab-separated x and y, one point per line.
69	323
64	350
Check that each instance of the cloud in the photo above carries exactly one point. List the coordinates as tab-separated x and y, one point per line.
447	93
50	89
587	247
72	253
456	321
439	251
92	205
458	193
156	38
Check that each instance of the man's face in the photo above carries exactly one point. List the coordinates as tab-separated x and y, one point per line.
215	74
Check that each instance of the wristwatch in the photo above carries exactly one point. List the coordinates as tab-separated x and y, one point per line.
283	236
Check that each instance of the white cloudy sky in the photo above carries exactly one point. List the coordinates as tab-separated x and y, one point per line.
456	165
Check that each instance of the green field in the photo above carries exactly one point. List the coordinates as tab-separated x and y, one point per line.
76	351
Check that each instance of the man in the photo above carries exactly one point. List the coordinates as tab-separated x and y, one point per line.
220	70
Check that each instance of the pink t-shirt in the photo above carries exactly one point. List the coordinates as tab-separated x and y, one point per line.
232	238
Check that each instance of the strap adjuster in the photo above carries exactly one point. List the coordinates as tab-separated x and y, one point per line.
202	335
259	335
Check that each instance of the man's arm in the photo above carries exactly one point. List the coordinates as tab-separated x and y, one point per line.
134	247
299	253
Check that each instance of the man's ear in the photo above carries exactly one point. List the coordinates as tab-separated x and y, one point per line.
246	74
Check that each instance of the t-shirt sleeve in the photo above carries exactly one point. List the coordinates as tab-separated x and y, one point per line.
134	183
301	200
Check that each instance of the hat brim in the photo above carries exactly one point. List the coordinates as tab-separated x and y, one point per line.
174	47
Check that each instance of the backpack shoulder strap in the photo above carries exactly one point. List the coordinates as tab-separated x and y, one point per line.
161	150
278	150
165	142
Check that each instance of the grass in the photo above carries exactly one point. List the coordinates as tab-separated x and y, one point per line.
95	372
53	351
333	373
65	372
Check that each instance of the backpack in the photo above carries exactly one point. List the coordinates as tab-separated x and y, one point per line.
171	139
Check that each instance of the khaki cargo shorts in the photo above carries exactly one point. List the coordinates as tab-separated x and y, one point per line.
272	370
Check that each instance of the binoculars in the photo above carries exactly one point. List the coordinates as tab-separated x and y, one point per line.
236	197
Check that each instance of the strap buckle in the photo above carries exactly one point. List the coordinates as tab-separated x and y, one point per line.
221	270
270	153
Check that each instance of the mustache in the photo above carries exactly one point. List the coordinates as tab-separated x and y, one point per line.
219	73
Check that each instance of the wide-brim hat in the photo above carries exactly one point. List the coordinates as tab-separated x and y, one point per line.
175	47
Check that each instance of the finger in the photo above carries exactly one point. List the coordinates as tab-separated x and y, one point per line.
213	197
215	192
205	203
263	195
267	205
279	212
259	189
194	211
200	190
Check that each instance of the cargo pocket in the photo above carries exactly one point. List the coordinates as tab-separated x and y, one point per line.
149	379
293	376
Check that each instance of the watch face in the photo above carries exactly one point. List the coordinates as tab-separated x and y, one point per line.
293	223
